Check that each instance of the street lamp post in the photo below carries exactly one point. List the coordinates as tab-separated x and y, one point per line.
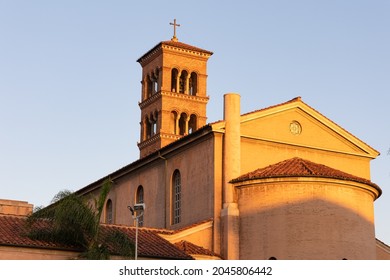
136	213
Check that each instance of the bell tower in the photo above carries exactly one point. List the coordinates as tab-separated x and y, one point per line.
174	93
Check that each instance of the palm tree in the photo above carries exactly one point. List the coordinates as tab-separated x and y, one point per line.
71	220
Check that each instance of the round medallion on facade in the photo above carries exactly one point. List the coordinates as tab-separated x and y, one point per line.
295	128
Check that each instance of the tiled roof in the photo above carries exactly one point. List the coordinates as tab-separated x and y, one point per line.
298	167
174	231
193	249
174	44
150	244
13	232
185	46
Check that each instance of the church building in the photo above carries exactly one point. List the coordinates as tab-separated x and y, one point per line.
282	182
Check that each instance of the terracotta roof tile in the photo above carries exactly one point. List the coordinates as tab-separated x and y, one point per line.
174	231
193	249
150	244
185	46
13	232
176	45
298	167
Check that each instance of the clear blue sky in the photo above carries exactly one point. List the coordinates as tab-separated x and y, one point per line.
70	83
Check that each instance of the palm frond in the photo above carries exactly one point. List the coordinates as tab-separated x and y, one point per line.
71	220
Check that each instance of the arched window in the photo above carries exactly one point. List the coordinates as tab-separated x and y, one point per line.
150	125
174	75
109	219
139	198
154	123
154	127
156	81
183	124
193	84
144	89
183	82
174	122
149	86
176	197
148	130
192	124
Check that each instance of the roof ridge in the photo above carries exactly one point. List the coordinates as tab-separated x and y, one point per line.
194	249
306	166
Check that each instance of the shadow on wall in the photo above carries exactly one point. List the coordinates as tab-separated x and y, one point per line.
274	224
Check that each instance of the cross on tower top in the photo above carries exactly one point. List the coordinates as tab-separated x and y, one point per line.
174	38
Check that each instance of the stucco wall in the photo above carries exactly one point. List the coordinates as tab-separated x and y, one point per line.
306	218
257	153
23	253
196	180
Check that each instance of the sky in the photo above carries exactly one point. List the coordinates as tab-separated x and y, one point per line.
70	83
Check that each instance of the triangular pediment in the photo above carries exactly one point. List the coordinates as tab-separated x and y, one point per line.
296	123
